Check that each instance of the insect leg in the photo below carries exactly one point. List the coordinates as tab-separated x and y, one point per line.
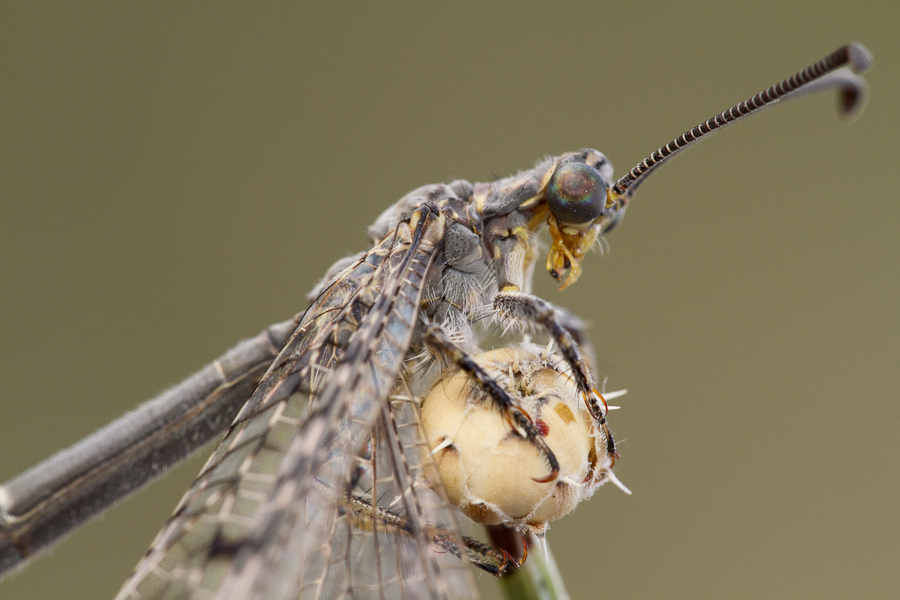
516	417
371	516
535	310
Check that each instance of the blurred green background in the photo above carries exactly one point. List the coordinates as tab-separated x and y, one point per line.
174	178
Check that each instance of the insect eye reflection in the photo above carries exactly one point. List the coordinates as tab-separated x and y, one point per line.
576	194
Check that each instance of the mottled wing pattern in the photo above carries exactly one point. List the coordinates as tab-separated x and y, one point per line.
267	517
382	540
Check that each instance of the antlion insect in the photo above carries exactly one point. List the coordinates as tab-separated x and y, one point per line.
319	487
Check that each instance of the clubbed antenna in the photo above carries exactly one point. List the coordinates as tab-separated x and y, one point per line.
825	74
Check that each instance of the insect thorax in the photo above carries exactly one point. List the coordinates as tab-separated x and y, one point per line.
490	237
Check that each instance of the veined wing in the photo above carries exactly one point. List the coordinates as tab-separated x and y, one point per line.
395	535
43	504
259	521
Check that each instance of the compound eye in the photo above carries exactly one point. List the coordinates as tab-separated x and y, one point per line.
576	193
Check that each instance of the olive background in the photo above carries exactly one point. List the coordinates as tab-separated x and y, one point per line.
175	177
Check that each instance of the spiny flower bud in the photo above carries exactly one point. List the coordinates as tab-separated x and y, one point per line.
492	473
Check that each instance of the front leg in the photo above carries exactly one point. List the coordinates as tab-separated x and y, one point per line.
520	421
515	305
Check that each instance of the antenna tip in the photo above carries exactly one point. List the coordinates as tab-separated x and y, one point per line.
851	100
860	57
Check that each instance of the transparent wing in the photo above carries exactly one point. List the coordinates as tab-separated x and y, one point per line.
268	515
393	536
